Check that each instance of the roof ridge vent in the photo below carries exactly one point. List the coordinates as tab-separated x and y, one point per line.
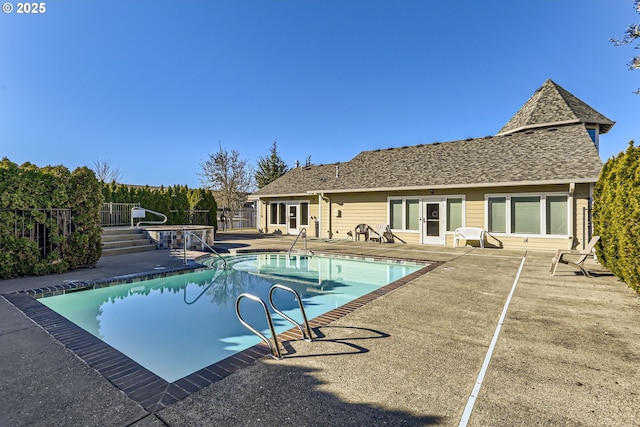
552	129
469	139
488	137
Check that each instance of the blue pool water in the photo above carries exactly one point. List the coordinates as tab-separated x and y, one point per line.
177	325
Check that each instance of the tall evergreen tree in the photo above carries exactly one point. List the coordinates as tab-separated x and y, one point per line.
616	216
270	168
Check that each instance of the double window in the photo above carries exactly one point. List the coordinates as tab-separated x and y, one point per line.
530	214
278	214
404	214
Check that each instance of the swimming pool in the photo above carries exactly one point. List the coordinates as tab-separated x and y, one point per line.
174	326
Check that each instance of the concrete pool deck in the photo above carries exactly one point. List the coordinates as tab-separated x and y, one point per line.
568	352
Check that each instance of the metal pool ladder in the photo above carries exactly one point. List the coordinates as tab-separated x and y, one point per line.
303	234
184	249
275	349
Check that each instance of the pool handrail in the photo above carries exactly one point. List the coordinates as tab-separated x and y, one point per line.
135	213
203	291
303	233
305	335
184	252
274	350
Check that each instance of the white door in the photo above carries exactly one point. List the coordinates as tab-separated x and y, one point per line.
433	222
292	219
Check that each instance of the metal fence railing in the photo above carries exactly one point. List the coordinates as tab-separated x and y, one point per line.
194	217
42	226
119	214
114	214
244	218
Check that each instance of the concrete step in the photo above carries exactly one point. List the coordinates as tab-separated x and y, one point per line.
128	250
125	243
123	237
108	231
120	241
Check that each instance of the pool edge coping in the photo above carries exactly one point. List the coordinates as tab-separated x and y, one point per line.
140	384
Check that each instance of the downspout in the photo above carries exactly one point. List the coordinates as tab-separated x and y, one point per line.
572	217
258	210
328	200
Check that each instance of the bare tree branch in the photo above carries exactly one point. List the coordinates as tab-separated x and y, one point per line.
230	175
631	35
105	172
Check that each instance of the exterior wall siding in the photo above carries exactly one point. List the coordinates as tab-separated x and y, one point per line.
264	224
347	211
340	213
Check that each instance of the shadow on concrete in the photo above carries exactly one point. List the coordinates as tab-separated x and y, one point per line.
320	338
279	394
226	247
598	274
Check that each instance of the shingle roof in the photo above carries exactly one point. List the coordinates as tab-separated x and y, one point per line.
557	154
553	105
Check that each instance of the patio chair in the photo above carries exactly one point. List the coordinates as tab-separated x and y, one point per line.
362	230
468	233
561	257
382	231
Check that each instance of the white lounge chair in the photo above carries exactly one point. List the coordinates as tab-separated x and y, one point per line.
468	233
382	231
561	257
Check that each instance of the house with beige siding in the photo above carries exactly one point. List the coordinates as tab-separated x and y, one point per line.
528	186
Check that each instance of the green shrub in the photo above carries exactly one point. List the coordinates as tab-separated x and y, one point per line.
175	202
616	216
27	190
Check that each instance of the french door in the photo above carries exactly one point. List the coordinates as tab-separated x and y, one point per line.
292	219
433	221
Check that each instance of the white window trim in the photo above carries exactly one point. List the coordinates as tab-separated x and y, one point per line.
543	214
464	211
421	199
287	203
308	202
274	224
404	212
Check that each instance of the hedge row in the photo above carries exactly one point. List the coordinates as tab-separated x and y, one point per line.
27	190
616	216
175	202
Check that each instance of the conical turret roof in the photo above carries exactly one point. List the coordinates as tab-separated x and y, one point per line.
553	105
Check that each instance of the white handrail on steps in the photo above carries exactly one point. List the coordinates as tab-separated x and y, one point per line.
140	212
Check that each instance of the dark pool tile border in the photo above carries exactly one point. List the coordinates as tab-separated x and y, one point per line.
143	386
77	286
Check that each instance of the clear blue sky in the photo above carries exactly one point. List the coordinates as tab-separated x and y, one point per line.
154	86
